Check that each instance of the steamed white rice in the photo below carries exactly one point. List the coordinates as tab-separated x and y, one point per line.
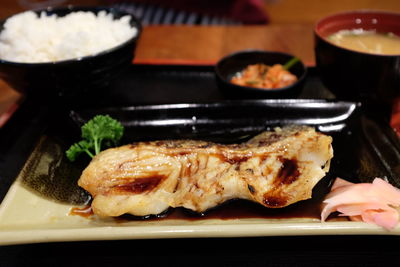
31	38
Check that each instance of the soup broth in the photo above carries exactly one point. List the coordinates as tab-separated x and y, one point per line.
367	41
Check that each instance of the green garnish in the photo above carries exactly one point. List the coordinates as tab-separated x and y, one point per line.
99	132
290	63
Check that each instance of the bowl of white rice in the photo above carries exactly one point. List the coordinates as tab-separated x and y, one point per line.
64	52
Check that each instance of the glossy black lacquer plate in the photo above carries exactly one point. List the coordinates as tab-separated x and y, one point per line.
363	149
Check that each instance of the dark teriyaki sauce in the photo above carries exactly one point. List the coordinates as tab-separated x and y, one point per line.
237	209
85	211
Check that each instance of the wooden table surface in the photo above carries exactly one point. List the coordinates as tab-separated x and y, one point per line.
204	45
208	44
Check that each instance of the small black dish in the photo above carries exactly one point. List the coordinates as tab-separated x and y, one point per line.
69	79
228	66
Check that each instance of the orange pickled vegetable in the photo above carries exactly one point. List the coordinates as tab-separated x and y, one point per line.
264	76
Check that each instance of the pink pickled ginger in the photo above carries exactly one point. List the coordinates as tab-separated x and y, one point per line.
374	202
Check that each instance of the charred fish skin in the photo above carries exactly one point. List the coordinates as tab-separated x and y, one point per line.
275	168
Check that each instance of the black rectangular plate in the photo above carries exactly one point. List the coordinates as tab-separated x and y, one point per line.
363	149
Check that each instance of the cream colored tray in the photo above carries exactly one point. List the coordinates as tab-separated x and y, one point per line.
26	217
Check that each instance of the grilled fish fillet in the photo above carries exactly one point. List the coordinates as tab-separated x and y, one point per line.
275	169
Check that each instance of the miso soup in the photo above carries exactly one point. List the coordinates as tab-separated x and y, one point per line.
367	41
